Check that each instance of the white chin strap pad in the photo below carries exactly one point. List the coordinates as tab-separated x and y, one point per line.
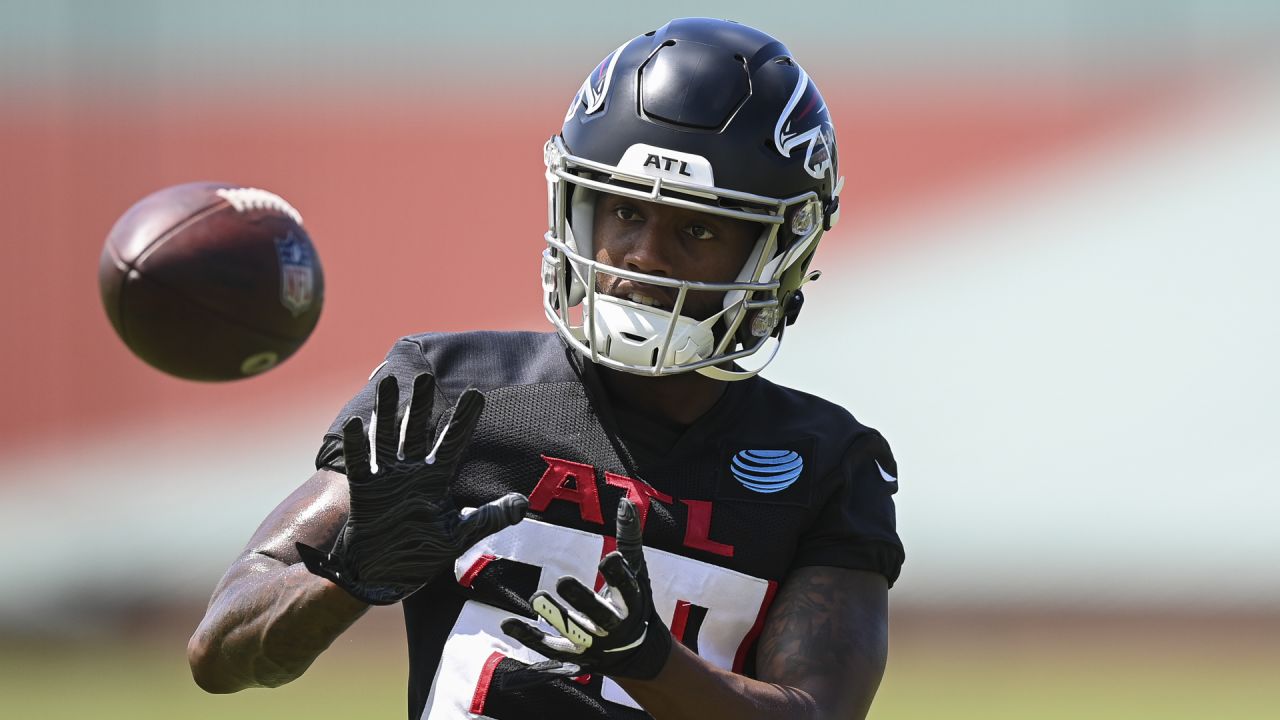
633	334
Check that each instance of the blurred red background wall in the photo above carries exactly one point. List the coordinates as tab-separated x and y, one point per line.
427	215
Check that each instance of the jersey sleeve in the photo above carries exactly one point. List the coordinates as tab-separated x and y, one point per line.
856	527
405	360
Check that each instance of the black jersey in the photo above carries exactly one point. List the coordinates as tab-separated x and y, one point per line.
770	479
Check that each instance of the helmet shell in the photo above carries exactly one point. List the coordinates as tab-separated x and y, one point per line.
716	89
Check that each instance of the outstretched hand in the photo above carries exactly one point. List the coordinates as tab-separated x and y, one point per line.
614	632
403	529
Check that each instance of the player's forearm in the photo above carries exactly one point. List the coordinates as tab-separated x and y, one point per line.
690	687
266	626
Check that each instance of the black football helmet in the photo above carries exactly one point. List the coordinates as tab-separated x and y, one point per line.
704	114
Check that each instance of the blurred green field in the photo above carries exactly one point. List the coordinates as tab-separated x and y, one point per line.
1100	685
990	672
149	680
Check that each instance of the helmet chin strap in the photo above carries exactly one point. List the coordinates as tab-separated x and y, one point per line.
717	373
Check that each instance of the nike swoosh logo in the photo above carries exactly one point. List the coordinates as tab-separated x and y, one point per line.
887	477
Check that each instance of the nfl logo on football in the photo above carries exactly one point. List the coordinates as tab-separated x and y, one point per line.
296	273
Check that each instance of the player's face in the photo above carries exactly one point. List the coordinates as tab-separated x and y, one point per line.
672	242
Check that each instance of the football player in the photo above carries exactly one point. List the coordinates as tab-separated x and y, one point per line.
617	519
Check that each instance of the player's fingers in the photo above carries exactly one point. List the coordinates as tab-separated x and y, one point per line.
385	430
624	588
556	648
596	609
457	433
629	534
355	449
490	518
416	435
572	626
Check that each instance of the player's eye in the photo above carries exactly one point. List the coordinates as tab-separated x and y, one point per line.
625	212
700	232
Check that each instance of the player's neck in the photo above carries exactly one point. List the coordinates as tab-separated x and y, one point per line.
678	399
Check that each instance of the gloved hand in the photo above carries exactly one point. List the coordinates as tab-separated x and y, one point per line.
615	632
403	529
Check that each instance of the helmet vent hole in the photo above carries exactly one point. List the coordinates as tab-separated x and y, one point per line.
784	60
653	359
651	33
632	337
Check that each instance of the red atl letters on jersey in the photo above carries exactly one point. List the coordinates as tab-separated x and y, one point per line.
576	482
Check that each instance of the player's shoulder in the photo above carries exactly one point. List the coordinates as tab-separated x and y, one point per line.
806	412
487	359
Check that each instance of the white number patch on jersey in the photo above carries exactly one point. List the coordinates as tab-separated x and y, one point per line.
735	604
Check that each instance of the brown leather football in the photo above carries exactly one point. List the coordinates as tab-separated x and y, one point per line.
210	281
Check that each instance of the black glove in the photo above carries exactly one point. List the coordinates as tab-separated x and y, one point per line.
615	632
403	528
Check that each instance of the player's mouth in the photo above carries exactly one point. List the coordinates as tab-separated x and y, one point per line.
642	294
644	300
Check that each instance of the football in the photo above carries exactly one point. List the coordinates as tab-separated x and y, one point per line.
211	281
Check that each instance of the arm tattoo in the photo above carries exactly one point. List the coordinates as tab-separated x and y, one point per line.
821	633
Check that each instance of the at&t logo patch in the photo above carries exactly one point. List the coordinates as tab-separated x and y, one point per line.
767	471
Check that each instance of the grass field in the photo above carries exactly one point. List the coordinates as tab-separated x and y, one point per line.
937	670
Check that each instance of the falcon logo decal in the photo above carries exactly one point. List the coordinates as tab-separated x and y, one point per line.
596	87
818	139
767	471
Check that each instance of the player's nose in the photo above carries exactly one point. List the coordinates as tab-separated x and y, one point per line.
650	249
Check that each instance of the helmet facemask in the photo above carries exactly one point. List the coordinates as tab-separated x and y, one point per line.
633	337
